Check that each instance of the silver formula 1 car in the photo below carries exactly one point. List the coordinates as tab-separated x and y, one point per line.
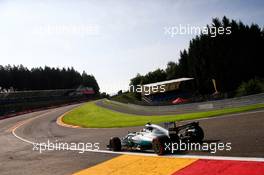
155	137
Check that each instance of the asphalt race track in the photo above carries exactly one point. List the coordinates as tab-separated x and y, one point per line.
244	131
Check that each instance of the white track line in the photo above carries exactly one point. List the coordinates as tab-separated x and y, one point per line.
256	159
25	122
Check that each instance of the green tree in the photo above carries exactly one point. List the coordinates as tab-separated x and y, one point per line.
90	81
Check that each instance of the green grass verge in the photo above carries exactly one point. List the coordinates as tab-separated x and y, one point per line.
92	116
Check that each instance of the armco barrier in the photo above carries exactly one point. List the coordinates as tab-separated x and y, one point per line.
26	101
198	106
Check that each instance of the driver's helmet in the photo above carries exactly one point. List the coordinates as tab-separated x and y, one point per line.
147	128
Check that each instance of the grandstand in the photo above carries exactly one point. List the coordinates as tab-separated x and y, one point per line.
170	91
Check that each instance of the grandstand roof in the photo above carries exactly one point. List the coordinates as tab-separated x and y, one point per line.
168	82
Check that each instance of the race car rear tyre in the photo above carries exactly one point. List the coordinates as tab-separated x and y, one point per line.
199	134
115	144
159	144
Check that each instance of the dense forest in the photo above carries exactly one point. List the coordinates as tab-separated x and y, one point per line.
21	78
230	59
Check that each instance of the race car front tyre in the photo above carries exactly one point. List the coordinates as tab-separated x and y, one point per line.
159	144
115	144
